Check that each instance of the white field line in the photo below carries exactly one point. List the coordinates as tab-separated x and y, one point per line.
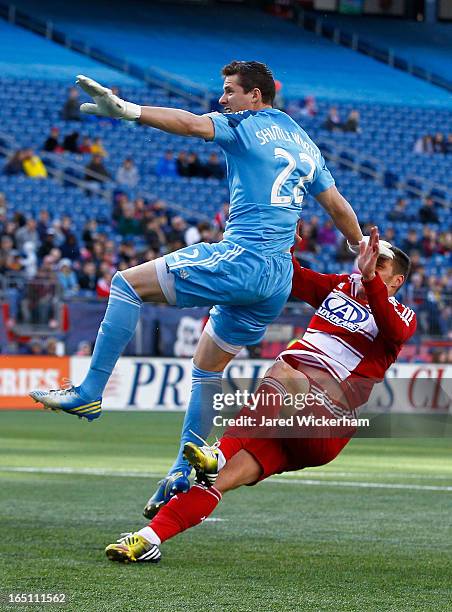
290	480
362	485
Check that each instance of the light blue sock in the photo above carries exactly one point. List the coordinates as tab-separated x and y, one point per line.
116	330
200	412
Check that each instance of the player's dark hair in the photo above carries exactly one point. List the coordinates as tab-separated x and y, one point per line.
253	75
401	264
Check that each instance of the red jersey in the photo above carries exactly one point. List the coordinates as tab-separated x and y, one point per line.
357	328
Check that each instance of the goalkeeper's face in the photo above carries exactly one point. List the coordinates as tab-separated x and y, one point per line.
234	98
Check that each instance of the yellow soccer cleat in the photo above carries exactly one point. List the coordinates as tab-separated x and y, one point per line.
133	548
205	461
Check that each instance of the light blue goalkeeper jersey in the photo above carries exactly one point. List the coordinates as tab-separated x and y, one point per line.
272	164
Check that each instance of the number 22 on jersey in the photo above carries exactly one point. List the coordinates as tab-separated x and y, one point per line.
296	197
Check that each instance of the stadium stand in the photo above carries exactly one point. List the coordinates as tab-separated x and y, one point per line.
425	45
152	39
25	55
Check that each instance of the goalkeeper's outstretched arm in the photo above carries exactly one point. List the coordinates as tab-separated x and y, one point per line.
172	120
177	122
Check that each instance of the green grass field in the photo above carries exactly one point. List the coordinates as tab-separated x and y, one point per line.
371	531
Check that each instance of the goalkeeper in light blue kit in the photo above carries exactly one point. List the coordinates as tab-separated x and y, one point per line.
246	278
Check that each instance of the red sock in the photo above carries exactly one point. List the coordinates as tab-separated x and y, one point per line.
185	510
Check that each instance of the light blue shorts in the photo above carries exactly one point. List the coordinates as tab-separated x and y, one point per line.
247	290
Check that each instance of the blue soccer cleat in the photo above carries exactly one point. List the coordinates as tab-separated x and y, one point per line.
68	400
179	482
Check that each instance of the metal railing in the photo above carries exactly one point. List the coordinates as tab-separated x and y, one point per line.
151	76
34	304
314	23
375	169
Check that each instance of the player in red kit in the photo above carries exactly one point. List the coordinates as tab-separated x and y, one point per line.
355	335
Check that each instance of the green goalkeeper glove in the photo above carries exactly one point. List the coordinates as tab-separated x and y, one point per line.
106	103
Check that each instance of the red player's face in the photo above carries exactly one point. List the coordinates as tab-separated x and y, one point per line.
234	99
385	270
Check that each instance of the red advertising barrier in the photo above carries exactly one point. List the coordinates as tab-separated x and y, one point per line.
19	375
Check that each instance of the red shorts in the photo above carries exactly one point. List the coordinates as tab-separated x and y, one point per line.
279	455
278	450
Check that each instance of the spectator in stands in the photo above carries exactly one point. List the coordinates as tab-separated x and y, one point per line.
309	108
203	232
343	253
221	217
43	223
166	165
15	164
67	279
27	233
97	148
70	249
103	285
154	235
182	163
140	208
33	165
424	144
448	145
86	146
29	259
70	142
439	145
84	349
96	171
411	242
389	234
89	232
39	306
314	228
52	144
427	212
128	225
127	174
176	234
279	101
399	212
3	217
47	243
333	121
327	234
35	347
6	246
352	122
445	242
213	168
429	244
127	252
71	108
194	165
97	253
51	347
299	109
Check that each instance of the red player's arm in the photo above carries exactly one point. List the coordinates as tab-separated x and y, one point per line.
395	322
313	287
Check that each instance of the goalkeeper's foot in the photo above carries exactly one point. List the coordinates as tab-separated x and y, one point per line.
132	547
205	461
168	487
68	400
